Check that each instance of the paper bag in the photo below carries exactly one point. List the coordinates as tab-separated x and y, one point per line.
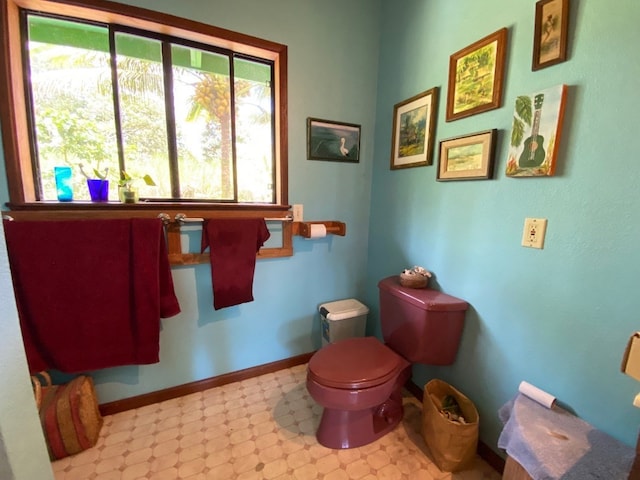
452	445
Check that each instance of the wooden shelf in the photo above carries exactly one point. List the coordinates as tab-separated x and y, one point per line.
303	229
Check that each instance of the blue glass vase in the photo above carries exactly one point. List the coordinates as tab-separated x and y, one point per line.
64	187
98	189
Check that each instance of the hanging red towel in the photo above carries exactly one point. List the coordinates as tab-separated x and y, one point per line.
233	244
90	293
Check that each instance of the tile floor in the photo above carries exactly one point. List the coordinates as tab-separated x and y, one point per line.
260	428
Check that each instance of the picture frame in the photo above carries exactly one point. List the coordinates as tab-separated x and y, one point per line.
550	33
535	135
467	157
413	131
333	141
476	75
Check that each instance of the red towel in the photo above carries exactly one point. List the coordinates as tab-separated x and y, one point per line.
233	244
90	293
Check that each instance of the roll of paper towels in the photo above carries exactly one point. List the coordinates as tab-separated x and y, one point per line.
318	230
534	393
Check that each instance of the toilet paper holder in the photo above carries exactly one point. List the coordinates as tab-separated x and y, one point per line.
303	229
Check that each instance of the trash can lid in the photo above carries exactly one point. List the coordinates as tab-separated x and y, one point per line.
341	309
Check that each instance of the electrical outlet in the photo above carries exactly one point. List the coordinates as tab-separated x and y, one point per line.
533	233
297	213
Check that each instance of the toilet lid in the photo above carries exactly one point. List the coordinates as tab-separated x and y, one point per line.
353	363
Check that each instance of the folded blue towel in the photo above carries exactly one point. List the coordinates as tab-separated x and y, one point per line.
553	444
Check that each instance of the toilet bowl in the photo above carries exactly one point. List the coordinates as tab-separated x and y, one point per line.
359	380
359	383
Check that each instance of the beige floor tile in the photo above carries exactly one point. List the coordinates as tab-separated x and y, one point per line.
259	428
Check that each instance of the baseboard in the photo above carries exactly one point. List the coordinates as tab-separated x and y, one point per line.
487	454
181	390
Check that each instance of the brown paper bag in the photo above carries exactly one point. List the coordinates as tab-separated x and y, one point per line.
452	445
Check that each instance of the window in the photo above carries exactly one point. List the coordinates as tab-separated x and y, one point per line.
199	109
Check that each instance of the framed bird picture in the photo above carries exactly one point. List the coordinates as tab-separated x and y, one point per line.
535	134
333	141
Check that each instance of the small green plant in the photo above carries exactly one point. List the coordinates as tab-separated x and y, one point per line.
102	175
126	180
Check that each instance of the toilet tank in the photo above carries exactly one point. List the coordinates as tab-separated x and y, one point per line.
422	325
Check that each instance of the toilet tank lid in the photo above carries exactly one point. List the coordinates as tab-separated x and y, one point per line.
341	309
423	298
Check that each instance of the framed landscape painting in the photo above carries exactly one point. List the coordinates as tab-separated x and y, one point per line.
469	157
413	130
535	135
475	77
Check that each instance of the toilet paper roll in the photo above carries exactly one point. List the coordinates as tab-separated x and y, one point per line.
318	230
534	393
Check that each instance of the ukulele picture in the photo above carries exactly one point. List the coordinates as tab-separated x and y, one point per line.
533	154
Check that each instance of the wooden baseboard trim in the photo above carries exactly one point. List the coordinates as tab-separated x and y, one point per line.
487	454
181	390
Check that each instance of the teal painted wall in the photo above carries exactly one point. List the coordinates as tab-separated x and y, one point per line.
23	453
559	317
332	75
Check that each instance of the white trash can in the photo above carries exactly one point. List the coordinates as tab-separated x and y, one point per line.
342	319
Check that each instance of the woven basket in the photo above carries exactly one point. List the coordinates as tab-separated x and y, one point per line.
69	414
413	281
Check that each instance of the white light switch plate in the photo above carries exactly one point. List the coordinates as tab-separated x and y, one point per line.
297	212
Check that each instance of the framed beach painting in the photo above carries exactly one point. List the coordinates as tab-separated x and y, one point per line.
333	141
413	131
475	77
535	135
550	37
469	157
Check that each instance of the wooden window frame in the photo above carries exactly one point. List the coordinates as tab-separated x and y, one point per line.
13	115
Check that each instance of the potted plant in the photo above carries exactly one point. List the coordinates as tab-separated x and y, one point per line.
98	184
127	192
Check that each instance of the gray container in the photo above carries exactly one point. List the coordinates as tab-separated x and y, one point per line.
342	319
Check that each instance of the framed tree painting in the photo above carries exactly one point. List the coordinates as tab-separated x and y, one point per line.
535	135
413	130
550	37
475	77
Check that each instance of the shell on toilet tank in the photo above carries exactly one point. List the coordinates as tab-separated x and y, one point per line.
422	325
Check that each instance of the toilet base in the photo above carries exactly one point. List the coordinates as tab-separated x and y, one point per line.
341	429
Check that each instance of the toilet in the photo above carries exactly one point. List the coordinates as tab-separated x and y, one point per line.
359	380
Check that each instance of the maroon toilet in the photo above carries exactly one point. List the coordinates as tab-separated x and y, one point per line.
359	381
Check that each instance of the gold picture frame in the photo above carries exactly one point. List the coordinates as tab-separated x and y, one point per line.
550	36
469	157
414	123
475	76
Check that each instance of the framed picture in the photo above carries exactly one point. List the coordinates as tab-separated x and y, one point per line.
414	123
535	135
550	37
475	77
334	141
470	157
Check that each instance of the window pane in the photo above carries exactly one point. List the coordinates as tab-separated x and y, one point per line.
201	94
254	131
72	102
142	113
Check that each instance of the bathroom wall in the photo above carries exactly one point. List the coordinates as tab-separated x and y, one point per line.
333	52
23	454
559	317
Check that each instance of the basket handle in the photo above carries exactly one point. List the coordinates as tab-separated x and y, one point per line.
37	385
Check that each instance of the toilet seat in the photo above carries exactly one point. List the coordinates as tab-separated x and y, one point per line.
355	363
